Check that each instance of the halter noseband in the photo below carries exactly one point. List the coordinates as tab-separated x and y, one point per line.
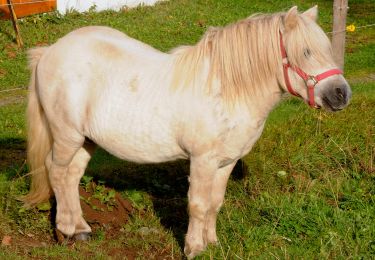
309	80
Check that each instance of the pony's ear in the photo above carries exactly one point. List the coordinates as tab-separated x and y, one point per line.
312	13
291	18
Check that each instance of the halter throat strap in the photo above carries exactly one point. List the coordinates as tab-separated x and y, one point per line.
310	80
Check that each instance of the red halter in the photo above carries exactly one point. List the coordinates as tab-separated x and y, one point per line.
310	80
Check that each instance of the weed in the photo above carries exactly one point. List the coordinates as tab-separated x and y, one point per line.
99	191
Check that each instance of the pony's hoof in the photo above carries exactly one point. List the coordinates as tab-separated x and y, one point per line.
211	239
193	251
84	236
61	238
213	242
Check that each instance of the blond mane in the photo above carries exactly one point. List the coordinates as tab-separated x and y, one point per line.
241	56
244	57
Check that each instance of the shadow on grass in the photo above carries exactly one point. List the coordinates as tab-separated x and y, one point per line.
166	183
12	155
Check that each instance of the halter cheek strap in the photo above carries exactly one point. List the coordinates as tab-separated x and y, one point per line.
309	80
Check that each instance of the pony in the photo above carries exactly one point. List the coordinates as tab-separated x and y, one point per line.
207	103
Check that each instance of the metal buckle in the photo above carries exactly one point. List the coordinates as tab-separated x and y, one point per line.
311	79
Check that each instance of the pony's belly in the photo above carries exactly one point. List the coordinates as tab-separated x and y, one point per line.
145	153
140	146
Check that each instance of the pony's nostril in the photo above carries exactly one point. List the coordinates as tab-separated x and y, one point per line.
340	94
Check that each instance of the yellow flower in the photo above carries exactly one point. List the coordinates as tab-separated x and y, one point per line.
350	28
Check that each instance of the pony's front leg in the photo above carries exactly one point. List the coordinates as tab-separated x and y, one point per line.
217	197
202	171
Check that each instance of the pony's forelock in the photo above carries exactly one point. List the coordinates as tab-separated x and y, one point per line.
308	35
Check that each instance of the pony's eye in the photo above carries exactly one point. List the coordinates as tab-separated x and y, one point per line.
307	52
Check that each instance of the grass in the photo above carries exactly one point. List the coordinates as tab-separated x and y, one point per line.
324	206
309	188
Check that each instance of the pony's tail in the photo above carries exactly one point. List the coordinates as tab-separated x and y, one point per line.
39	138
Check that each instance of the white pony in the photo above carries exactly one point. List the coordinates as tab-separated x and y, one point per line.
207	103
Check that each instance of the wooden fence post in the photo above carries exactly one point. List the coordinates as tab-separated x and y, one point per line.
15	24
340	8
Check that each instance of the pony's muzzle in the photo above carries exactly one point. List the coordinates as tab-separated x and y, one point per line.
337	97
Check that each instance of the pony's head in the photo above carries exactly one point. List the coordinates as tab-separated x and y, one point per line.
309	69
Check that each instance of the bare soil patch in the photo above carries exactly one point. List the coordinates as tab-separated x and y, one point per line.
100	215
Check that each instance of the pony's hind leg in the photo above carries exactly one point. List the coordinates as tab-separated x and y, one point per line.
67	165
75	172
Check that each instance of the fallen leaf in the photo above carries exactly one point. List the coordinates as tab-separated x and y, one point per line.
282	174
7	241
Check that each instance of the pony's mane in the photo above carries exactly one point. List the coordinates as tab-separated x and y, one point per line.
243	60
240	57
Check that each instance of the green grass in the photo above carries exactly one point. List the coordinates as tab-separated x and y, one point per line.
322	207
